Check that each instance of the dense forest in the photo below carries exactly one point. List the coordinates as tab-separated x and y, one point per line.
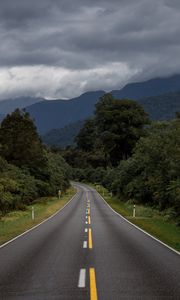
133	157
28	170
119	147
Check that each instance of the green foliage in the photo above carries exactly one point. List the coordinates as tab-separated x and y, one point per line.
111	135
119	124
27	169
59	172
151	175
86	136
20	143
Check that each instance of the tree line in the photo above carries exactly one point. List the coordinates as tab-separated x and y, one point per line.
128	154
28	169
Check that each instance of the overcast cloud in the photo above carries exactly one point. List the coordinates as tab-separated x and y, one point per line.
61	48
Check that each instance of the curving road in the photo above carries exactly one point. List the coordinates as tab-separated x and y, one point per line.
86	251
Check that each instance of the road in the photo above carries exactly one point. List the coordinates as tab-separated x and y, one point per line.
86	251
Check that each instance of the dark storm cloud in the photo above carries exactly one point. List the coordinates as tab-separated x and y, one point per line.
97	44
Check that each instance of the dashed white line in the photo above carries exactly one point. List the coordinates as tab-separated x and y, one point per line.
85	244
86	230
82	278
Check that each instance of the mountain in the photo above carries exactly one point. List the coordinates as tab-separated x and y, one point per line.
9	105
1	117
162	107
56	114
64	136
152	87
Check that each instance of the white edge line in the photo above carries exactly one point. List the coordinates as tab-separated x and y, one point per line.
34	227
145	232
82	278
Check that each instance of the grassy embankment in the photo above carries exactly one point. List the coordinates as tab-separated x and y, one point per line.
150	220
17	222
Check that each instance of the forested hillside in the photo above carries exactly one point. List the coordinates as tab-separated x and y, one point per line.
27	169
133	158
162	107
63	137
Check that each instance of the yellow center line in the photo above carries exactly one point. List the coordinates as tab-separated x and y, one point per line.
93	289
89	220
90	239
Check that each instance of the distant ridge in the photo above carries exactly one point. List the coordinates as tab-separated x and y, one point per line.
56	114
152	87
162	107
9	105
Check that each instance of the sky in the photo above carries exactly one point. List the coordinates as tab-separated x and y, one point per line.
61	48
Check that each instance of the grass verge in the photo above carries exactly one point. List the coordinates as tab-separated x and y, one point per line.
16	222
147	218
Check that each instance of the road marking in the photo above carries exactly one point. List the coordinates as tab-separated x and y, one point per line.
82	278
85	244
86	222
34	227
145	232
89	220
93	289
86	217
90	238
86	230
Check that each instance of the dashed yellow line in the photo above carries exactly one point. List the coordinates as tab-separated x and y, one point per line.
89	220
90	239
93	289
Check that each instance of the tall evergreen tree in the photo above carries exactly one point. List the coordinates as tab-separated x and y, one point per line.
20	143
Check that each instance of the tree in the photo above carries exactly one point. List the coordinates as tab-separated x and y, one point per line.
120	124
85	138
20	143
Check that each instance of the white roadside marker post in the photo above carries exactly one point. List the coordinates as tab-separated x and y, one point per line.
33	213
134	211
59	194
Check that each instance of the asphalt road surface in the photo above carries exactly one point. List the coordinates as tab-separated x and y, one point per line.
86	251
